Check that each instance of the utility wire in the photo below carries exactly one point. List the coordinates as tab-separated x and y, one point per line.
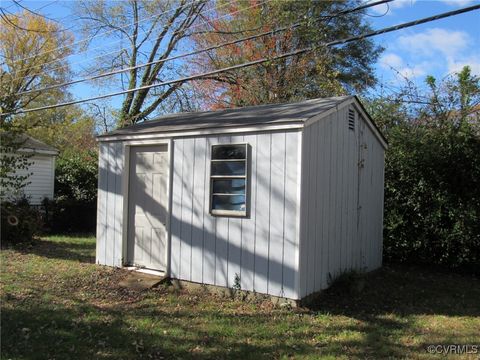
125	48
11	5
109	31
35	12
199	51
263	60
5	16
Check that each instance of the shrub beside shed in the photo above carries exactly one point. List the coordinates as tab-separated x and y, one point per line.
274	198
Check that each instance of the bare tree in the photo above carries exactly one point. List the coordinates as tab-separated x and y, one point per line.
141	31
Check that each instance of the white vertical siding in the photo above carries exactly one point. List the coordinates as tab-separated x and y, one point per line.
102	202
277	214
261	248
176	210
41	178
187	195
110	204
371	198
291	216
248	240
198	209
342	204
262	226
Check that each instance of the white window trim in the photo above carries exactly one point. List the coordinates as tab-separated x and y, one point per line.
230	213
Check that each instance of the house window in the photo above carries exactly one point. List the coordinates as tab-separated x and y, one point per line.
228	180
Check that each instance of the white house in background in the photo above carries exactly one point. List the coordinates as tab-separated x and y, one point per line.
41	169
278	197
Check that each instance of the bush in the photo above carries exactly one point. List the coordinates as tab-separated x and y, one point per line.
74	209
432	172
432	196
65	215
76	176
19	221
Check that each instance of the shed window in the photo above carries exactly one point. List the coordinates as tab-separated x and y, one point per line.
228	180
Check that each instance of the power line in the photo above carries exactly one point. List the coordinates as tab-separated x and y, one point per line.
266	33
12	5
125	48
109	31
416	22
35	12
263	60
4	15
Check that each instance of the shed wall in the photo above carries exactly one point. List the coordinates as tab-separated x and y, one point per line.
341	203
110	204
371	196
261	249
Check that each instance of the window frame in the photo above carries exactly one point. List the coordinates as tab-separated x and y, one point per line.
230	213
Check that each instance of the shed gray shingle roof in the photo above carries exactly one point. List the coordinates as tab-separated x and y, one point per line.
251	115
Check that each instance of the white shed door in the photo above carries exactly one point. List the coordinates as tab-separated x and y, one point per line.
147	207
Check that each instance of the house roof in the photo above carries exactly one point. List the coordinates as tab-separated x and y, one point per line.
250	116
37	146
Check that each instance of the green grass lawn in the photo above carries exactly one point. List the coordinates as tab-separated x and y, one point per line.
57	304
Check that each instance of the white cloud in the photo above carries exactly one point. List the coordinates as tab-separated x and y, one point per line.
458	2
457	65
391	61
415	71
397	4
394	62
434	40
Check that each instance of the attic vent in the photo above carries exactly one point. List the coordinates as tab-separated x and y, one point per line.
351	119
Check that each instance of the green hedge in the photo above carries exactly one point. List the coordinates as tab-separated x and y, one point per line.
432	196
65	215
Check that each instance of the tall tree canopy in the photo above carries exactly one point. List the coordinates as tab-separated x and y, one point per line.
33	53
137	32
324	72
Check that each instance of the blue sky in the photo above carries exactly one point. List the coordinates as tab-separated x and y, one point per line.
437	48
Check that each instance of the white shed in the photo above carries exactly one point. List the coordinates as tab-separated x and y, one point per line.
40	171
274	198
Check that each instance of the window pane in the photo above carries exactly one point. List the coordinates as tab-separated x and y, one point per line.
228	202
230	186
222	152
228	168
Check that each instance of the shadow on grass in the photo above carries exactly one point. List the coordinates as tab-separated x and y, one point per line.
88	332
67	249
391	296
404	290
91	333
